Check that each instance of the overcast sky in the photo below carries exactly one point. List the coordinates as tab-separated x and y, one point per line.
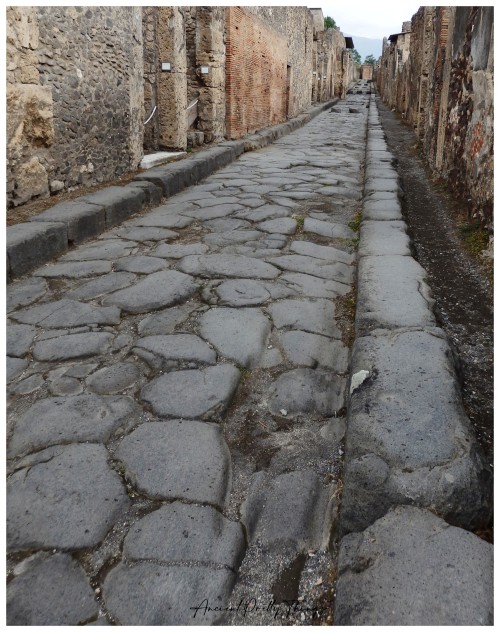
369	19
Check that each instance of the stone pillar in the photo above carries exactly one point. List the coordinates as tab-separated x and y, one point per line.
172	84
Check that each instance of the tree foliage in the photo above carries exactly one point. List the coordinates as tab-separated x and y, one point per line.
370	59
330	23
356	56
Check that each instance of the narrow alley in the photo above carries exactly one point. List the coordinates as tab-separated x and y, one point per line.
235	369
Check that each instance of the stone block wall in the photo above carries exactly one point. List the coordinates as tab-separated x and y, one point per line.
74	97
445	90
256	73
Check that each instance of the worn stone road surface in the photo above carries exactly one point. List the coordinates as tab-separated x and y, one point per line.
178	391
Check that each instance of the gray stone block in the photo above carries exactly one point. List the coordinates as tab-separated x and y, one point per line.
186	460
408	439
19	340
411	568
176	351
50	591
382	210
227	266
24	293
119	203
392	293
31	245
67	313
82	219
64	497
383	238
316	316
72	346
153	193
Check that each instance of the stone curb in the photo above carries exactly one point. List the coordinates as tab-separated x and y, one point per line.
50	234
410	451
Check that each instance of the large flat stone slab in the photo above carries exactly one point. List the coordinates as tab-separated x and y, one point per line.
68	313
178	251
203	394
315	267
291	509
75	269
164	321
314	287
157	290
31	245
316	316
72	346
102	285
242	293
408	439
113	379
392	293
51	591
19	340
411	568
238	334
65	497
81	219
102	249
383	238
310	350
327	253
148	594
175	351
227	266
307	391
23	293
186	533
327	229
185	460
71	419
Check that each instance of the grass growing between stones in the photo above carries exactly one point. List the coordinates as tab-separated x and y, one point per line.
356	222
474	238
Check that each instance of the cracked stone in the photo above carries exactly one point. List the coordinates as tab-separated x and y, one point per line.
238	334
145	234
140	264
103	285
315	267
24	293
193	394
71	419
68	313
101	249
178	251
263	213
72	346
15	366
164	322
66	497
327	253
19	339
74	269
285	226
28	385
175	351
326	229
314	287
242	292
228	266
113	379
311	350
186	460
315	316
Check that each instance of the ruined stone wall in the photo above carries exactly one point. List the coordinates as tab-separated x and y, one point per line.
256	73
151	65
447	81
74	97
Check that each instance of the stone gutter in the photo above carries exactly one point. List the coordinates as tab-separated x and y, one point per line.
412	464
51	233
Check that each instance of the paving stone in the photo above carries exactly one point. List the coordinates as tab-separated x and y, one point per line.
19	339
283	202
72	346
383	238
163	219
316	316
412	568
81	370
140	264
74	269
213	212
100	250
322	252
71	419
145	234
242	292
65	497
315	267
186	533
392	293
203	394
157	290
164	322
268	211
30	245
285	226
238	334
119	202
148	594
102	285
292	508
305	349
68	313
216	201
307	391
225	224
232	237
177	251
186	460
408	439
382	210
15	366
175	352
314	287
24	293
113	379
65	386
327	229
28	385
51	591
227	266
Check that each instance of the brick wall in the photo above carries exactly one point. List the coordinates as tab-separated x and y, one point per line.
256	74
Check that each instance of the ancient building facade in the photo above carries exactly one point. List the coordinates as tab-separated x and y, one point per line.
445	90
74	97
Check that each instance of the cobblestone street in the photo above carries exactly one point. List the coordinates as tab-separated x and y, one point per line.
185	373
